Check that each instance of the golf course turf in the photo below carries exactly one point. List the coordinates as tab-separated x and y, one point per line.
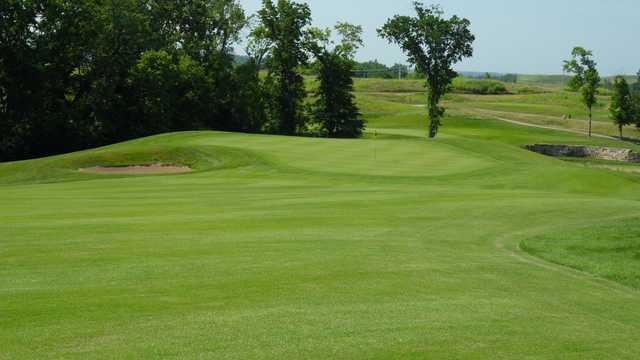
390	246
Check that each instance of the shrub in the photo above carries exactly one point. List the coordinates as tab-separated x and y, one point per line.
478	86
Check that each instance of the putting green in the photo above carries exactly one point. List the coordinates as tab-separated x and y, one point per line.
276	247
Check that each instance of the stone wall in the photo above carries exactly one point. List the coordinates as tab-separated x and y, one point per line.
603	153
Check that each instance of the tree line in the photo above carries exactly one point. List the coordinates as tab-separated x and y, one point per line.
625	99
76	74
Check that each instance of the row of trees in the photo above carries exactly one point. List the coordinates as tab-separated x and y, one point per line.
81	73
625	101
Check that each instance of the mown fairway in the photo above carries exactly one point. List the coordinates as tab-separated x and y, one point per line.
385	247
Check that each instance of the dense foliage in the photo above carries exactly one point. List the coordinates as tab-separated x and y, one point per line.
335	110
81	73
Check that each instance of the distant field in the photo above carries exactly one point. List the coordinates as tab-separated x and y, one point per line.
390	246
459	85
538	105
555	80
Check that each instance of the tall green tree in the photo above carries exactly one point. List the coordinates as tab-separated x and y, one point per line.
635	99
335	108
285	24
433	44
636	85
622	108
586	78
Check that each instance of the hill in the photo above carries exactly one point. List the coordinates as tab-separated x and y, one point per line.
285	247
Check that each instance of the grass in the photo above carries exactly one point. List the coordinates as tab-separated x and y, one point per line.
538	105
610	250
391	246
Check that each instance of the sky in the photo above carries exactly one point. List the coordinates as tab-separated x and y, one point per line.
512	36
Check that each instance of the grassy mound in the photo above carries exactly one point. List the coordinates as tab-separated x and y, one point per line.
165	149
610	250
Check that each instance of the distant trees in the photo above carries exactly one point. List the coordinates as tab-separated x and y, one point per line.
335	109
586	78
622	108
508	78
433	44
374	69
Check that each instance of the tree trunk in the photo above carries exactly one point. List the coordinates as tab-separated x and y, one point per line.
433	127
434	116
590	118
620	128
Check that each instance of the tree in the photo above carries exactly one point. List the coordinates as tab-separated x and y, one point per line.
636	85
173	93
335	109
622	107
433	44
249	110
284	25
586	78
635	100
203	29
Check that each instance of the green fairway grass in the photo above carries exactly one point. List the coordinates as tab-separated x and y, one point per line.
390	246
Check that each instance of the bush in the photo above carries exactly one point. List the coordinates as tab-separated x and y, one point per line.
478	86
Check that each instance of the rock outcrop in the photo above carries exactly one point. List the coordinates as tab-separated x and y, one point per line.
603	153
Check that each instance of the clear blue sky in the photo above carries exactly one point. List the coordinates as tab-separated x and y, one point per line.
521	36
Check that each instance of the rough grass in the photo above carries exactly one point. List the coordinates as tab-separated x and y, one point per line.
391	246
610	250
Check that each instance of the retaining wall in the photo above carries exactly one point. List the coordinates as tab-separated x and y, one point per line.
603	153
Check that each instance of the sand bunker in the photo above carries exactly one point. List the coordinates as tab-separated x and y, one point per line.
138	169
